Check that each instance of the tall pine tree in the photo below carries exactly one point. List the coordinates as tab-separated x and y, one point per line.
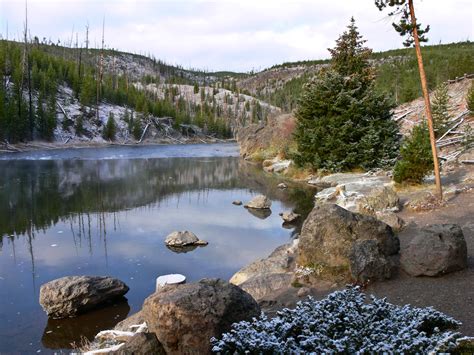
342	123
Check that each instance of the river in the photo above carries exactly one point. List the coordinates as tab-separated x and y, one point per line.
107	211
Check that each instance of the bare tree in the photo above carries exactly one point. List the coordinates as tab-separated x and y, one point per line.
408	26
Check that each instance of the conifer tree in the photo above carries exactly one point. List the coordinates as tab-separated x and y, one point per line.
439	109
110	128
342	123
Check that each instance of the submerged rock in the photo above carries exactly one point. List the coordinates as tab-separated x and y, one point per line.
185	317
73	295
182	239
259	202
435	250
260	213
343	245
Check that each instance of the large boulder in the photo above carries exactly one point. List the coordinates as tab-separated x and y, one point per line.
259	202
141	343
73	295
343	245
183	239
185	317
435	250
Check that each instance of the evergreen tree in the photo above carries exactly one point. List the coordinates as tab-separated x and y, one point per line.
416	159
342	123
470	98
439	110
110	128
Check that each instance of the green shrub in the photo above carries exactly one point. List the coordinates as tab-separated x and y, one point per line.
470	98
416	157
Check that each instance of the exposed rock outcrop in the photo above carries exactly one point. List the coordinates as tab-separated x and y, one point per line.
362	193
391	218
185	317
183	239
435	250
343	245
72	295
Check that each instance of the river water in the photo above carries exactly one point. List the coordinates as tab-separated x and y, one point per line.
107	211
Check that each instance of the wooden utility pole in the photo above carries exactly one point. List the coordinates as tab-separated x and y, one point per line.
426	95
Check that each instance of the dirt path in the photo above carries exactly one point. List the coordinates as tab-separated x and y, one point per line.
452	294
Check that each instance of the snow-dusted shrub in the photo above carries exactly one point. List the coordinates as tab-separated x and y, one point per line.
343	322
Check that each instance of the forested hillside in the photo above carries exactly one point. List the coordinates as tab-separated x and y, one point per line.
37	80
51	92
397	74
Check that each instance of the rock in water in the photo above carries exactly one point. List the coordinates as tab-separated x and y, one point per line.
185	317
72	295
289	217
435	250
259	202
237	203
343	245
182	239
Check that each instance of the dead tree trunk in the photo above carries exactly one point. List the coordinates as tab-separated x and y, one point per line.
424	87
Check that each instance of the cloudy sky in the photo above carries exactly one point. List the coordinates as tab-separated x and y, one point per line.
229	35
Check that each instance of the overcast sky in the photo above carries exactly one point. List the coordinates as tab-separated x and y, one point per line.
229	35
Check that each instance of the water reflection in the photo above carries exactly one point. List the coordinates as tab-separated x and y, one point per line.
70	333
110	217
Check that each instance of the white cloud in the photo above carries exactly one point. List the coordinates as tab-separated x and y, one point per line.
230	35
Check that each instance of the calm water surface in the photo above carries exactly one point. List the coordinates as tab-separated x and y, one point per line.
107	211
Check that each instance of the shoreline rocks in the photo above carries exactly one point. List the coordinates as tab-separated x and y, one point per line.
289	217
72	295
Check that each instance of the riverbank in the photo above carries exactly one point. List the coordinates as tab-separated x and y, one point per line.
451	293
40	145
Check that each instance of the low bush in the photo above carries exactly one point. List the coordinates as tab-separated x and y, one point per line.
343	322
416	159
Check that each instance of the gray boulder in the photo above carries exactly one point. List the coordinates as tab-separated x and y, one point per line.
182	239
73	295
259	202
435	250
184	317
334	240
